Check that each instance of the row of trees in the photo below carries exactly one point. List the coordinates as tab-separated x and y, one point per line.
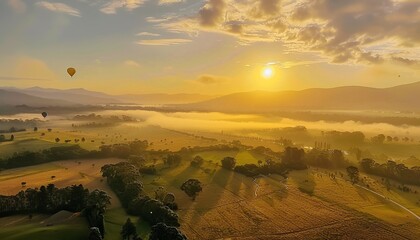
27	158
392	170
123	178
51	199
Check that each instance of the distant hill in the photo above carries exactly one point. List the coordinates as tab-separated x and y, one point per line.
10	98
86	97
401	98
157	98
79	96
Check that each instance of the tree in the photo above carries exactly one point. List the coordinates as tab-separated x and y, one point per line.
197	161
192	187
95	234
129	230
353	173
12	137
35	129
378	139
294	158
161	231
228	163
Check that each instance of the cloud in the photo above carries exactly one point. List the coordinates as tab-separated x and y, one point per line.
148	34
59	7
212	13
131	63
356	31
112	6
18	5
167	2
210	79
164	41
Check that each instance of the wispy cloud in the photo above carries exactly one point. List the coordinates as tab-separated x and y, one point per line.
167	2
59	7
148	34
131	63
164	41
343	31
112	6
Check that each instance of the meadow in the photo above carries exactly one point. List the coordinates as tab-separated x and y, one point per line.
307	203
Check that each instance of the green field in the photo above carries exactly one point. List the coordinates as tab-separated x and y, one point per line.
21	228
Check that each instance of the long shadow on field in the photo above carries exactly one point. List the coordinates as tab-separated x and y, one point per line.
218	186
305	181
184	175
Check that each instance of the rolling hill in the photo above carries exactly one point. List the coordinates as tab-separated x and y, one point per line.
400	98
79	96
10	98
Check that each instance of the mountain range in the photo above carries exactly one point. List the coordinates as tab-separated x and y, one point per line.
402	98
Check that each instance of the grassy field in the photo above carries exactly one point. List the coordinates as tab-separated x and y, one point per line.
67	173
339	191
230	206
22	228
237	207
306	205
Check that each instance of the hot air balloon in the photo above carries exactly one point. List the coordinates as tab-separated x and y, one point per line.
71	71
44	114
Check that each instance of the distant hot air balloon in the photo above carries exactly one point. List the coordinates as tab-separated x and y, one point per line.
71	71
44	114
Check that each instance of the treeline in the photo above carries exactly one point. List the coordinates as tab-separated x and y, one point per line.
13	130
345	138
392	170
50	200
291	158
112	118
27	158
123	178
16	125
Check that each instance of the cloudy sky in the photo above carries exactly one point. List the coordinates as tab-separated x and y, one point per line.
209	46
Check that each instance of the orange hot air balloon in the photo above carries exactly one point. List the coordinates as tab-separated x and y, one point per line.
71	71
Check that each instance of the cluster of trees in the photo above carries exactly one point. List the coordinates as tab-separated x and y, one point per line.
345	138
392	170
51	199
326	158
48	155
16	125
13	130
27	158
197	161
123	178
381	138
94	117
172	160
4	139
218	147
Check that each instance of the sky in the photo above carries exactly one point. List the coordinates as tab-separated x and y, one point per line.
211	47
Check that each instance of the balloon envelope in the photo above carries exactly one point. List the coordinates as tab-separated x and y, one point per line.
44	114
71	71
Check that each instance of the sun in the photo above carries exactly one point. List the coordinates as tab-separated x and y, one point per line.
267	72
